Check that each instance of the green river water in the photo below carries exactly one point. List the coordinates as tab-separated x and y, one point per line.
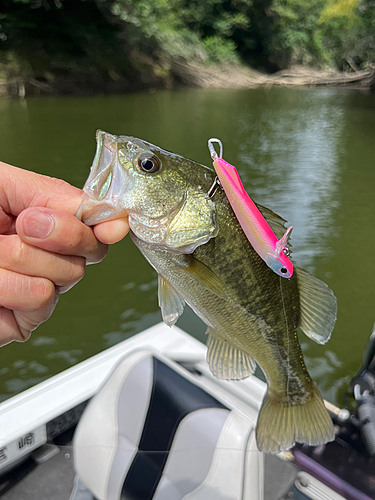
306	154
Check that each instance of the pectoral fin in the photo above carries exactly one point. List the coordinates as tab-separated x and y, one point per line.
318	307
226	361
171	304
204	275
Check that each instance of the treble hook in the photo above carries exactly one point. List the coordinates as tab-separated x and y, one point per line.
212	149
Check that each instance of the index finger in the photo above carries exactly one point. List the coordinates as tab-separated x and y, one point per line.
112	231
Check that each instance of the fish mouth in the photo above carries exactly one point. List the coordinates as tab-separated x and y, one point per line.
107	193
108	181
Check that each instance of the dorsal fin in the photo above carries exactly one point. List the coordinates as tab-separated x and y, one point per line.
276	222
283	242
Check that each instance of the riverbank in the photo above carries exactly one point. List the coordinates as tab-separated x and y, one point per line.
236	76
182	74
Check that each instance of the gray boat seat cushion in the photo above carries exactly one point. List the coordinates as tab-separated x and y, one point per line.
153	433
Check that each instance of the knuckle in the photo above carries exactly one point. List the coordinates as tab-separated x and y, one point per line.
42	291
59	183
21	335
8	284
79	240
11	329
77	270
99	255
14	252
76	238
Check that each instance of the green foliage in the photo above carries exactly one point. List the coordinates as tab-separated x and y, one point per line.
182	44
220	50
320	33
338	8
349	27
133	39
181	27
295	35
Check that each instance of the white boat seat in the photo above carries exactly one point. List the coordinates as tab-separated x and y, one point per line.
153	433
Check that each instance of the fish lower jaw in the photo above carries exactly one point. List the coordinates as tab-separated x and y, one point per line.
91	213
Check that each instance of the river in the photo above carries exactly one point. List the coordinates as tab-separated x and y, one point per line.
306	154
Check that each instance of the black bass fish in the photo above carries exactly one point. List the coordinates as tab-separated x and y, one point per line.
203	258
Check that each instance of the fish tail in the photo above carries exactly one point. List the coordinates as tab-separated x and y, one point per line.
281	424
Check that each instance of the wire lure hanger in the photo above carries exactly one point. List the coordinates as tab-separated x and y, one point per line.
273	251
216	184
212	149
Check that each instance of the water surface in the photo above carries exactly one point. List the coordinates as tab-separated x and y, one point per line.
307	155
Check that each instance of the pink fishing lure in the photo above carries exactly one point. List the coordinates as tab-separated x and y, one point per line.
274	252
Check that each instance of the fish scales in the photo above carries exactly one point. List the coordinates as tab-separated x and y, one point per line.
203	258
251	300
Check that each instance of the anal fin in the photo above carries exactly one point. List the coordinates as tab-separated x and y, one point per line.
226	361
170	303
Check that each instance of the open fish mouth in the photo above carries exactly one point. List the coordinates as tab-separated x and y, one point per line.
133	178
108	181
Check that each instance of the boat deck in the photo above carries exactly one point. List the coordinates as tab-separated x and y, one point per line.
53	479
36	426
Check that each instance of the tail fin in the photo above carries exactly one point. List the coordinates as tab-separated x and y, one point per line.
280	426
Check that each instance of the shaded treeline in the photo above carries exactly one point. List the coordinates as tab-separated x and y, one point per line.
120	44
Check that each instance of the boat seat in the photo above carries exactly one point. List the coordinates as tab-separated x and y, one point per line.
153	433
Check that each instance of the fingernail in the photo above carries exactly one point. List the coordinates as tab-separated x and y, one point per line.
38	224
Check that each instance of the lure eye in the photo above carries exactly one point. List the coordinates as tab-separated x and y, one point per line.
149	164
284	270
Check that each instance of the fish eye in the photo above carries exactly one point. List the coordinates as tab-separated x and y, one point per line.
149	164
284	270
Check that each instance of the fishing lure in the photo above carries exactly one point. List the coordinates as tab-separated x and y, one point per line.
274	252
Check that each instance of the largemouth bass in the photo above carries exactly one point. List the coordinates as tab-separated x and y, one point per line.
203	258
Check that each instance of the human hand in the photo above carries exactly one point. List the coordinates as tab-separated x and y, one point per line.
44	248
